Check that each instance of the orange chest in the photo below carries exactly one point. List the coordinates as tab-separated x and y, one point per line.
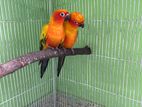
70	39
55	36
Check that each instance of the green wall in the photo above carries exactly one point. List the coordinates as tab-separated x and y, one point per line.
20	27
112	75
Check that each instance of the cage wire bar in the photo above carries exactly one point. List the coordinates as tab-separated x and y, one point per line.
20	27
110	77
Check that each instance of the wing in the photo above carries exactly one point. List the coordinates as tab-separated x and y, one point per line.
44	62
43	37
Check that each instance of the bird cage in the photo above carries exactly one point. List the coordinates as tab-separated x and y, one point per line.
110	77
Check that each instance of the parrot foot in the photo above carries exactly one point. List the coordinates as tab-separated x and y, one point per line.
64	49
61	47
51	47
72	50
57	48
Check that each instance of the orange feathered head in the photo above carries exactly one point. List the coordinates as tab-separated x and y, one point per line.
60	15
77	19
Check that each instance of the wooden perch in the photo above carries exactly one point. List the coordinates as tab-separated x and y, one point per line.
22	61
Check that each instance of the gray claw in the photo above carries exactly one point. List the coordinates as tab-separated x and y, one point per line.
72	50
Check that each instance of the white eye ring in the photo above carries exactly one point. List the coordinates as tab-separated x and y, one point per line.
75	22
62	14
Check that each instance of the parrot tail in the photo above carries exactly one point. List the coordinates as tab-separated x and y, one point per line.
44	64
60	64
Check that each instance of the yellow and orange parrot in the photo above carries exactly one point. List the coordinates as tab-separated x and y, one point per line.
71	32
52	34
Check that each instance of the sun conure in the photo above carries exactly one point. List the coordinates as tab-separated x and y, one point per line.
52	34
71	32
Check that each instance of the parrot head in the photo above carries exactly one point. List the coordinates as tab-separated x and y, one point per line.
60	15
77	19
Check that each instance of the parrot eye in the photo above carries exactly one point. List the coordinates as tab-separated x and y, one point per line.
62	14
76	22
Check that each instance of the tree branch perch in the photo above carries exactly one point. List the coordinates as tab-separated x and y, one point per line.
22	61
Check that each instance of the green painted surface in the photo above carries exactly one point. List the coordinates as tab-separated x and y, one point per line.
112	75
20	27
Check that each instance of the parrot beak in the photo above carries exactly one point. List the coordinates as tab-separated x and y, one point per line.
81	25
68	17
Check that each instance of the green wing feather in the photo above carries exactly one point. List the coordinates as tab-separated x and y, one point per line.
43	37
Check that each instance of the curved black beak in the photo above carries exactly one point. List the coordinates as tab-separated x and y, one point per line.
68	17
81	25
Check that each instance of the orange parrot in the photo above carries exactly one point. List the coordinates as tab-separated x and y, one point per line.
71	32
52	34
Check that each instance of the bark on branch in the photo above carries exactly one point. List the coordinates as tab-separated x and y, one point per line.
22	61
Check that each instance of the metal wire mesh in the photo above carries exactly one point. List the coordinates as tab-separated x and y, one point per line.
110	77
20	27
